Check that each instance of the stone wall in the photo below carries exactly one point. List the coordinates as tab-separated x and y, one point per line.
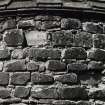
52	60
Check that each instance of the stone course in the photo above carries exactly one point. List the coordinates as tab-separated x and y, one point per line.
52	60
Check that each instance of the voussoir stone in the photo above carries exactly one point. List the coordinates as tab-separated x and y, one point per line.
21	92
14	37
38	78
15	65
70	78
55	65
97	54
20	78
74	53
44	54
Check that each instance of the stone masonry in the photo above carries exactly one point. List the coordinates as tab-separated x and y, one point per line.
51	59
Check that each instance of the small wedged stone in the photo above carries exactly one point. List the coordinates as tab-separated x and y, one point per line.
84	103
15	65
38	78
55	65
74	53
22	92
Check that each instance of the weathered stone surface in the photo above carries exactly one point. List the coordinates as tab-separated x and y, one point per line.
94	65
55	65
97	94
4	53
44	54
47	18
4	93
9	24
17	54
14	65
46	25
14	37
32	66
61	38
44	93
19	104
4	78
22	92
97	54
4	2
63	102
77	67
20	78
38	78
74	93
67	78
99	41
83	103
74	53
68	23
1	66
83	39
93	27
24	24
36	38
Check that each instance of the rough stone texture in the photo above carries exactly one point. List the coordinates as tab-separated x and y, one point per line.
17	54
20	78
67	78
74	53
70	23
93	65
32	66
4	93
97	54
92	27
14	37
74	93
44	54
36	38
61	38
24	24
15	65
77	67
4	78
44	93
4	53
55	65
38	78
21	92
